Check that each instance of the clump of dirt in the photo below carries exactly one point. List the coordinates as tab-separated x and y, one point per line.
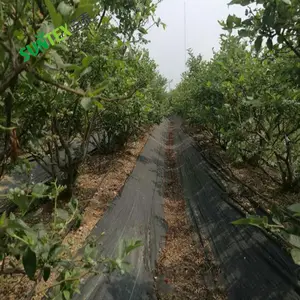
100	180
182	268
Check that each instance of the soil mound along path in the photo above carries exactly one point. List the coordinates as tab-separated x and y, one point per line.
184	271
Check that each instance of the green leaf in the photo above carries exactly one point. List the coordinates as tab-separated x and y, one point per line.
99	105
39	190
269	18
90	254
276	221
229	21
6	128
55	17
100	87
294	240
280	39
83	8
241	2
77	71
294	207
21	201
86	103
296	256
30	77
66	295
287	2
17	224
278	216
46	273
243	33
251	220
19	35
233	21
29	263
258	43
55	251
85	71
120	43
125	249
3	220
88	250
129	248
143	30
105	20
58	296
71	67
62	214
64	9
87	60
57	58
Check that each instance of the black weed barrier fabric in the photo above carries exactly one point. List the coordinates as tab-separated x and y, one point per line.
137	213
252	265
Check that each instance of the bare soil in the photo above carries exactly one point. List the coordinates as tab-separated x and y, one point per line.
184	270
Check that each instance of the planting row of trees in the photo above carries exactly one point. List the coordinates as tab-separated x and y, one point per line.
97	86
248	96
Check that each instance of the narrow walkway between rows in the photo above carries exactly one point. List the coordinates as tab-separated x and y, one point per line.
137	213
253	266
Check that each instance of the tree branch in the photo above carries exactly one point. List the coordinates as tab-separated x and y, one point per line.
11	271
60	86
62	141
65	280
42	163
14	74
5	47
291	46
79	93
101	19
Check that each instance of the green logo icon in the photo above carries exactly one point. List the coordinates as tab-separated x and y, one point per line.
57	35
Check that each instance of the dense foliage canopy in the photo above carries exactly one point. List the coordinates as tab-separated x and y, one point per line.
248	97
98	85
249	100
99	81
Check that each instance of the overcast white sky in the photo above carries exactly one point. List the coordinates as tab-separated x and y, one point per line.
203	31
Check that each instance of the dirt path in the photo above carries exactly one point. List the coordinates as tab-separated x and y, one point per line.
184	270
